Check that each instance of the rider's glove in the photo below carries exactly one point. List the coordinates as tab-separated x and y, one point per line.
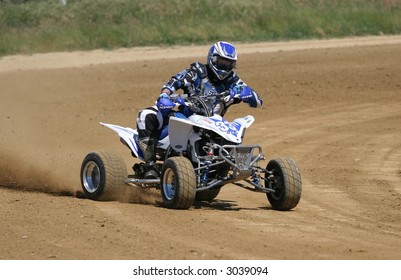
234	93
179	100
238	88
246	94
164	95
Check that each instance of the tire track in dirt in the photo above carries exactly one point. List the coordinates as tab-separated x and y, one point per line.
352	140
171	234
357	156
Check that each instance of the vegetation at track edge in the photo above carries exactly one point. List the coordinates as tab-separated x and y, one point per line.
32	26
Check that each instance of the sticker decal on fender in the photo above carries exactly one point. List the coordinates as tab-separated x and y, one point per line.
226	127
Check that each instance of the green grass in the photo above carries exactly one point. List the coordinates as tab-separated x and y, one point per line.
33	26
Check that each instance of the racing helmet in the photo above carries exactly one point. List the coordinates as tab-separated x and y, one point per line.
222	59
165	105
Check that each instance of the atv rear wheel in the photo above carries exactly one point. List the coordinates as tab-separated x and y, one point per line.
287	183
178	183
103	175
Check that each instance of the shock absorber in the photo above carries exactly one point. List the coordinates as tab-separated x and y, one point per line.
207	162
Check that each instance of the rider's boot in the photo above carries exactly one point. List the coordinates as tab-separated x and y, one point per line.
148	147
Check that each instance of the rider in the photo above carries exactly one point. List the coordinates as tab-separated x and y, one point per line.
216	76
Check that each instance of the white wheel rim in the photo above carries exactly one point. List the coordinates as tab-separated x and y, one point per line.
168	184
91	177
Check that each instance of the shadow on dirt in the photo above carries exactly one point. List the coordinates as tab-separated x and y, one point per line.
222	205
148	199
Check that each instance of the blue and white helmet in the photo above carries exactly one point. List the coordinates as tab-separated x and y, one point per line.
222	58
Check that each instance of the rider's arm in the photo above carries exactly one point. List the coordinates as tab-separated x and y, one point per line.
171	86
181	80
241	91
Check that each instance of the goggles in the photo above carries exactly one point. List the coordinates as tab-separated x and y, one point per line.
222	63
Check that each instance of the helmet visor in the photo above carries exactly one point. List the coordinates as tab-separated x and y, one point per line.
222	63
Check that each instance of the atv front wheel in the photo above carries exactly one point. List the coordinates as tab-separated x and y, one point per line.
103	175
286	182
178	183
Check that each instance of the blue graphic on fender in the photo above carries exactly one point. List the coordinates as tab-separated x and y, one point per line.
226	127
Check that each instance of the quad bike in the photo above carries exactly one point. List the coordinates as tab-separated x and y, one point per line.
197	155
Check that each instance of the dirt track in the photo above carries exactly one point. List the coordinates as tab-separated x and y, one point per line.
335	108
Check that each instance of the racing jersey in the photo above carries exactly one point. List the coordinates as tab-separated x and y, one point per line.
198	80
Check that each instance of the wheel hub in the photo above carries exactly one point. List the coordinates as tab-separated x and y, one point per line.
91	177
